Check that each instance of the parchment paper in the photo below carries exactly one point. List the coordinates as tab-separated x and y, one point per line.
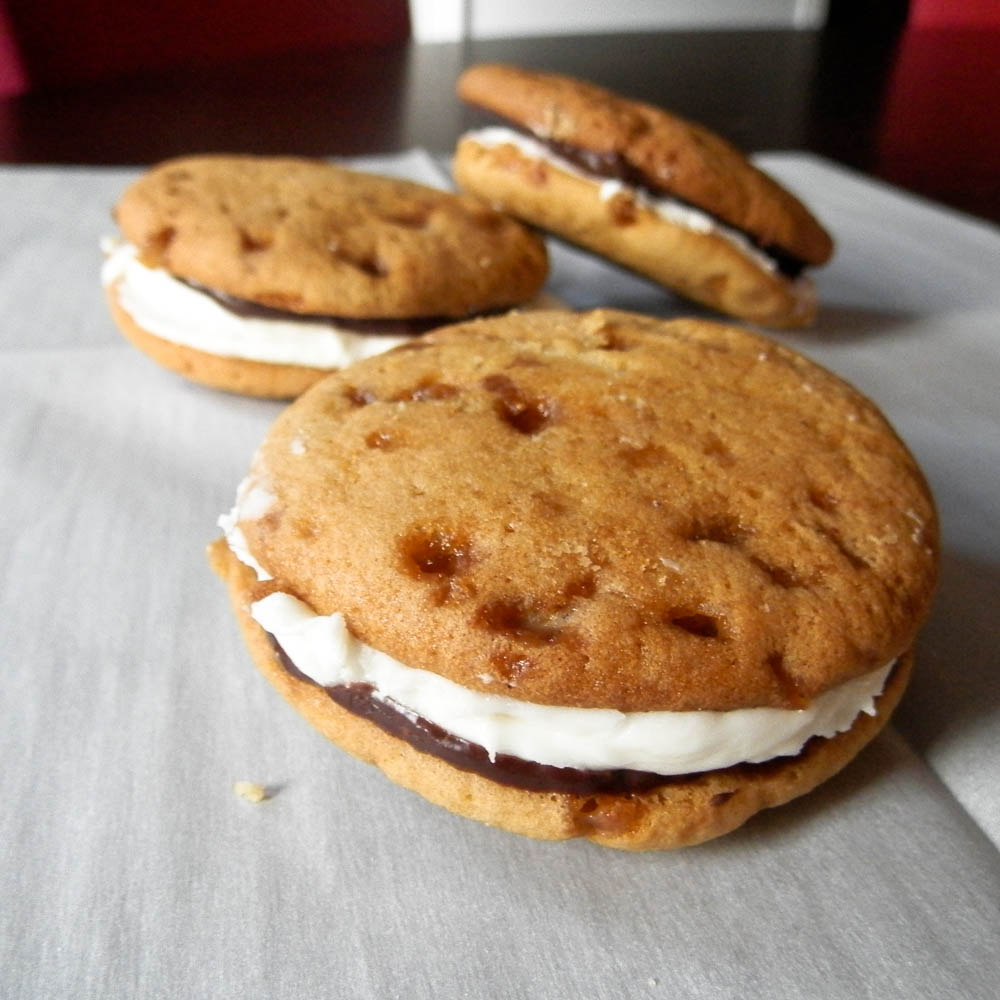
128	706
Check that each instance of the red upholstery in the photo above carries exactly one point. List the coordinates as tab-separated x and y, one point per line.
13	79
59	42
954	14
941	121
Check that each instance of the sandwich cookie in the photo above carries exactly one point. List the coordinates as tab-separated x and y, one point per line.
593	575
634	183
260	275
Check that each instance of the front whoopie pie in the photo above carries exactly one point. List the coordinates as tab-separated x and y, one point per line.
587	574
259	275
663	196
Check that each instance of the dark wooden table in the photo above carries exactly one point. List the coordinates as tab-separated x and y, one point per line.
923	114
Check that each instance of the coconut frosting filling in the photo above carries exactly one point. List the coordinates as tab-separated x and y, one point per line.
672	210
662	742
170	309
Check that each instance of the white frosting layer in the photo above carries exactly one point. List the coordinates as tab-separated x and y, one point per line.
321	647
670	209
174	311
252	502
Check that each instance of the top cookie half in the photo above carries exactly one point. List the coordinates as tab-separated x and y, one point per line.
652	147
309	237
601	510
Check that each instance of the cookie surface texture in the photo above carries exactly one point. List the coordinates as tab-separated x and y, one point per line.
310	237
596	511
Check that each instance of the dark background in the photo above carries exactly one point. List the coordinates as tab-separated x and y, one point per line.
916	102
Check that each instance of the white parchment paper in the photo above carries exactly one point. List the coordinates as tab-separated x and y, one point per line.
128	706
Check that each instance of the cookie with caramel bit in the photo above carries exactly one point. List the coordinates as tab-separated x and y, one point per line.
599	512
370	257
659	194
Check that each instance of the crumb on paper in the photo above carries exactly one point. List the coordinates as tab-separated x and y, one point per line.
251	791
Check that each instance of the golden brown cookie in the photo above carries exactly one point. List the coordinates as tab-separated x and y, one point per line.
297	267
661	195
580	574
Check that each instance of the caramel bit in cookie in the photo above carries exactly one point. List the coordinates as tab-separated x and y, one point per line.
794	698
823	499
520	619
622	210
581	586
427	389
613	814
359	397
526	414
250	244
433	553
604	334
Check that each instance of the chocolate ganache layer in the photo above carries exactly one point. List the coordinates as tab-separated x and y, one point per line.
505	769
427	737
254	310
614	166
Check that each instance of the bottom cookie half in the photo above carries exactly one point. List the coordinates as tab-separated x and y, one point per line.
698	263
683	811
239	375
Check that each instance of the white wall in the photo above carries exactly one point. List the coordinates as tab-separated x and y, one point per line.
453	20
